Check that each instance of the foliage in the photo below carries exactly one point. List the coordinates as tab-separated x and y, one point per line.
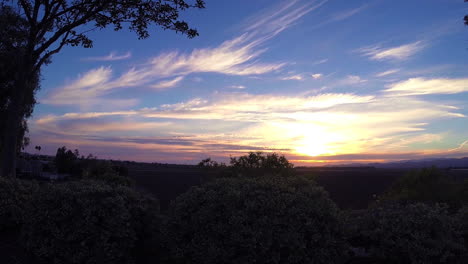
255	220
102	170
13	32
91	168
428	185
15	195
466	17
412	233
90	222
255	164
209	163
462	218
66	161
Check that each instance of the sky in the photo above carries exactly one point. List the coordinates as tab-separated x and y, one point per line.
319	81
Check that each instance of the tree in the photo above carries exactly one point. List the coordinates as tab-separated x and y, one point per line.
466	17
258	164
66	161
38	148
52	24
13	35
428	185
412	233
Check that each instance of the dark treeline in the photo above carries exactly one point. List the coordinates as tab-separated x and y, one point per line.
257	209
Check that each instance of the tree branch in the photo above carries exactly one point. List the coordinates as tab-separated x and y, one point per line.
47	56
27	10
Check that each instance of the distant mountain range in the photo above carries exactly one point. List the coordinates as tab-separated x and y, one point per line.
422	163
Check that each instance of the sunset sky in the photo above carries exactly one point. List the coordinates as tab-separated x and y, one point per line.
322	82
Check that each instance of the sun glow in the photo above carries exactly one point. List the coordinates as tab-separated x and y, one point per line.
314	147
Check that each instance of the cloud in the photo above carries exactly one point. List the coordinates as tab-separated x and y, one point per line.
350	80
237	87
340	16
239	56
281	16
111	57
346	13
88	90
386	73
296	77
325	124
317	76
168	83
402	52
421	86
320	62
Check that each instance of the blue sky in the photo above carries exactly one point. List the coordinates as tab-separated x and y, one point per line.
318	81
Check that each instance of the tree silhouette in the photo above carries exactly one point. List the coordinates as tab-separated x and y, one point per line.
49	25
466	17
13	35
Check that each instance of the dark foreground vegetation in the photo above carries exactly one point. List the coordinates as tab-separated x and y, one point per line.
257	209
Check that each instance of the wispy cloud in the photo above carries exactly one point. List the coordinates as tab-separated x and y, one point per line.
88	90
238	56
168	83
297	77
350	80
343	123
320	62
113	56
347	13
280	17
317	76
340	16
386	73
237	87
421	86
402	52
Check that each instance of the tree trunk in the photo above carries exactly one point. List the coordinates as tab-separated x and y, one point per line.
12	125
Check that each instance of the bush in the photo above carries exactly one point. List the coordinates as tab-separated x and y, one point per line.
255	164
462	218
90	222
413	233
428	185
257	220
100	170
15	194
66	161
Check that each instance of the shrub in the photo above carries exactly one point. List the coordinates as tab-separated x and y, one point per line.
66	161
413	233
429	185
90	222
255	164
100	170
14	196
462	218
256	220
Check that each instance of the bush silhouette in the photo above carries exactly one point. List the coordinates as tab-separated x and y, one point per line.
412	233
91	222
255	220
15	195
428	185
254	164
